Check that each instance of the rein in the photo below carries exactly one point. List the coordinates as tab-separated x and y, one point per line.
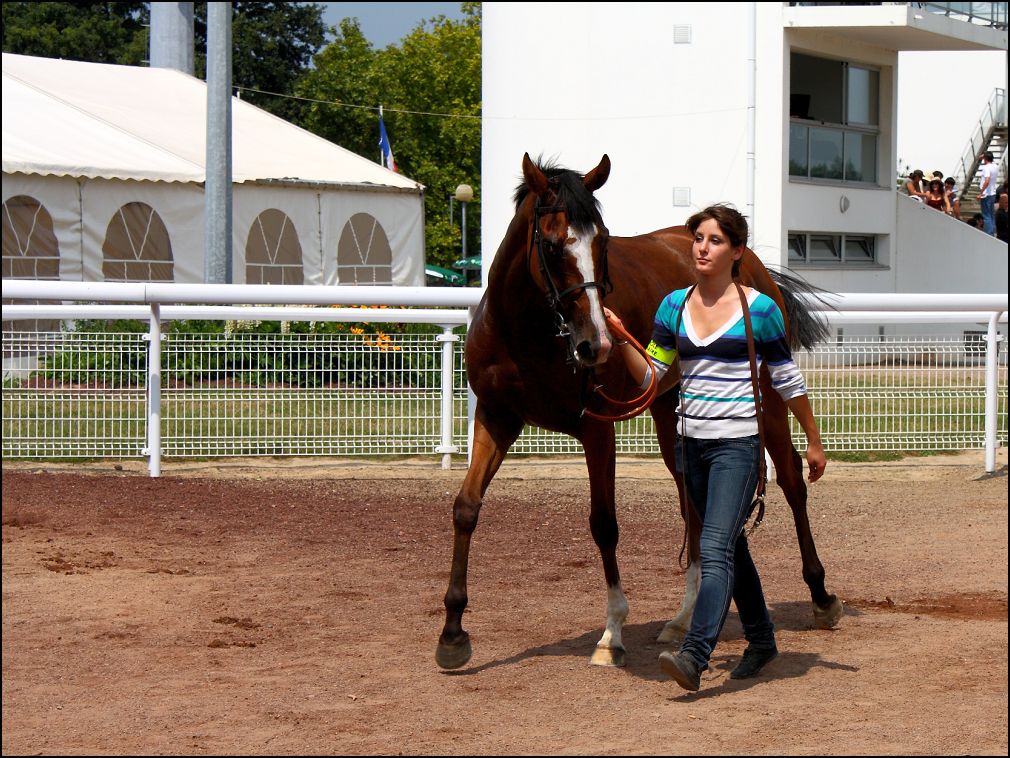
636	405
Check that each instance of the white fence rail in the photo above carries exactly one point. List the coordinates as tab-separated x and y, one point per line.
81	395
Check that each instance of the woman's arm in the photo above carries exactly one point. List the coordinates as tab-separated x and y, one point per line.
800	406
639	366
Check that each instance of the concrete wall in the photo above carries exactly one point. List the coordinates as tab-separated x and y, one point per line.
609	79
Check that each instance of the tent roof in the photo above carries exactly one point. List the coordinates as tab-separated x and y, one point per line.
68	118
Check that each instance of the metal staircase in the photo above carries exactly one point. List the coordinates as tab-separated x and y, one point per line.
991	134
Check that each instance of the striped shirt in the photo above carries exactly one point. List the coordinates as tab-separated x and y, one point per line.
716	397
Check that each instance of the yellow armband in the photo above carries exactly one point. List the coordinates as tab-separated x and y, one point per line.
665	355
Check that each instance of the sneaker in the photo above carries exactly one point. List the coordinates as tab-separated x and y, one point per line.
682	668
754	659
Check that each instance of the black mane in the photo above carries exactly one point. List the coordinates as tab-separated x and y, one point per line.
582	208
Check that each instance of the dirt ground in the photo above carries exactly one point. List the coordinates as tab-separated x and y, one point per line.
292	607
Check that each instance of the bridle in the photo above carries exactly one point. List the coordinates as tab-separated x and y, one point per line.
627	408
554	296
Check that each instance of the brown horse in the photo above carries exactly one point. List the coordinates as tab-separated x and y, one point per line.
539	339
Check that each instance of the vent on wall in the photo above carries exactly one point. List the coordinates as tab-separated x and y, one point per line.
682	34
681	196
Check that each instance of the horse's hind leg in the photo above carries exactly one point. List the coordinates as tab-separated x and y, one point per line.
491	441
789	476
598	443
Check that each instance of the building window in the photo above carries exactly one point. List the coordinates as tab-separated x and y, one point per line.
137	247
273	254
817	249
834	127
363	253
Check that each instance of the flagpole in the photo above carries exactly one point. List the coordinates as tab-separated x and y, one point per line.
381	156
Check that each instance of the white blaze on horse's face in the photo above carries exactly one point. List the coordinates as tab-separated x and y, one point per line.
580	247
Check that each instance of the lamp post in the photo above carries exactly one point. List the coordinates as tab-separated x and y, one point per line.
464	194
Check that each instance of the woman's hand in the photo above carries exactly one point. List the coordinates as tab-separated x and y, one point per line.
612	317
816	461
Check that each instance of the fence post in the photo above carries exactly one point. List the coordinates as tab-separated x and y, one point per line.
448	339
471	398
992	339
153	450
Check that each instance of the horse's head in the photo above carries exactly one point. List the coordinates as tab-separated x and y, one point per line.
569	242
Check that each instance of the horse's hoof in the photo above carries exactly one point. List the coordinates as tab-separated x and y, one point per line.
607	656
453	656
670	633
829	616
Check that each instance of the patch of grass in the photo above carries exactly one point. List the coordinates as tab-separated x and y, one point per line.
873	456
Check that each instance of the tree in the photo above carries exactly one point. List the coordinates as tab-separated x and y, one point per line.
430	89
83	31
272	43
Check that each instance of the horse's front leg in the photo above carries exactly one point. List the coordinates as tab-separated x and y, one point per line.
598	442
491	441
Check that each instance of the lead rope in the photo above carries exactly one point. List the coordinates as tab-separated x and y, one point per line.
636	405
759	495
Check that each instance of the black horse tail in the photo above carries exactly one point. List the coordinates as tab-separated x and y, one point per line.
807	327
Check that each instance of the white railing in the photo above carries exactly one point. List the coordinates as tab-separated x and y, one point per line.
333	415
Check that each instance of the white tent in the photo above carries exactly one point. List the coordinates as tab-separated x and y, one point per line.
103	172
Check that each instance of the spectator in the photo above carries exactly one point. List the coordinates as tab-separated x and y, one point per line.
1002	218
913	186
952	198
938	175
987	192
976	221
936	196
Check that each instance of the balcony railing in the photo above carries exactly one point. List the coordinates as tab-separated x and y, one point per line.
983	14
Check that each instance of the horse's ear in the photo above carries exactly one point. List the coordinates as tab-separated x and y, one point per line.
535	179
599	175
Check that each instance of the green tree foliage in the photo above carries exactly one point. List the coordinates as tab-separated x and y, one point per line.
93	32
434	71
273	43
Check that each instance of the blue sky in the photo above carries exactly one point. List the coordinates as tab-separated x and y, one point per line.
385	23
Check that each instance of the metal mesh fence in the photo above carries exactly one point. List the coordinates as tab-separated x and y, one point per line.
69	395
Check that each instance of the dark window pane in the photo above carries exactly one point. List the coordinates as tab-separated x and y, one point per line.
859	249
826	153
860	157
797	248
815	86
824	248
798	165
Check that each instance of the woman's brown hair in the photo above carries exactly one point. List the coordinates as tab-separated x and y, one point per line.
731	223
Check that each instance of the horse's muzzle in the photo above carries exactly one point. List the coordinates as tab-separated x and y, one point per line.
592	352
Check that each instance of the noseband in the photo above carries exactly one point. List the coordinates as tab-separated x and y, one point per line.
554	296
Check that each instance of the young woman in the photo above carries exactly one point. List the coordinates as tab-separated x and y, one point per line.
936	196
718	452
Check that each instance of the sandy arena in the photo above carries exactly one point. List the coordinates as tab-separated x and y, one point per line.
292	607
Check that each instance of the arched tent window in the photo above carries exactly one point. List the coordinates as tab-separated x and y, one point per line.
273	254
363	253
30	251
137	247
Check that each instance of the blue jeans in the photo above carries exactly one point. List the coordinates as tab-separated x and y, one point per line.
721	476
988	208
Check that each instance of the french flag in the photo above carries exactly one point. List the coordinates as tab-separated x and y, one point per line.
386	150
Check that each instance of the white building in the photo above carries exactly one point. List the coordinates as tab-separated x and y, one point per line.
680	94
